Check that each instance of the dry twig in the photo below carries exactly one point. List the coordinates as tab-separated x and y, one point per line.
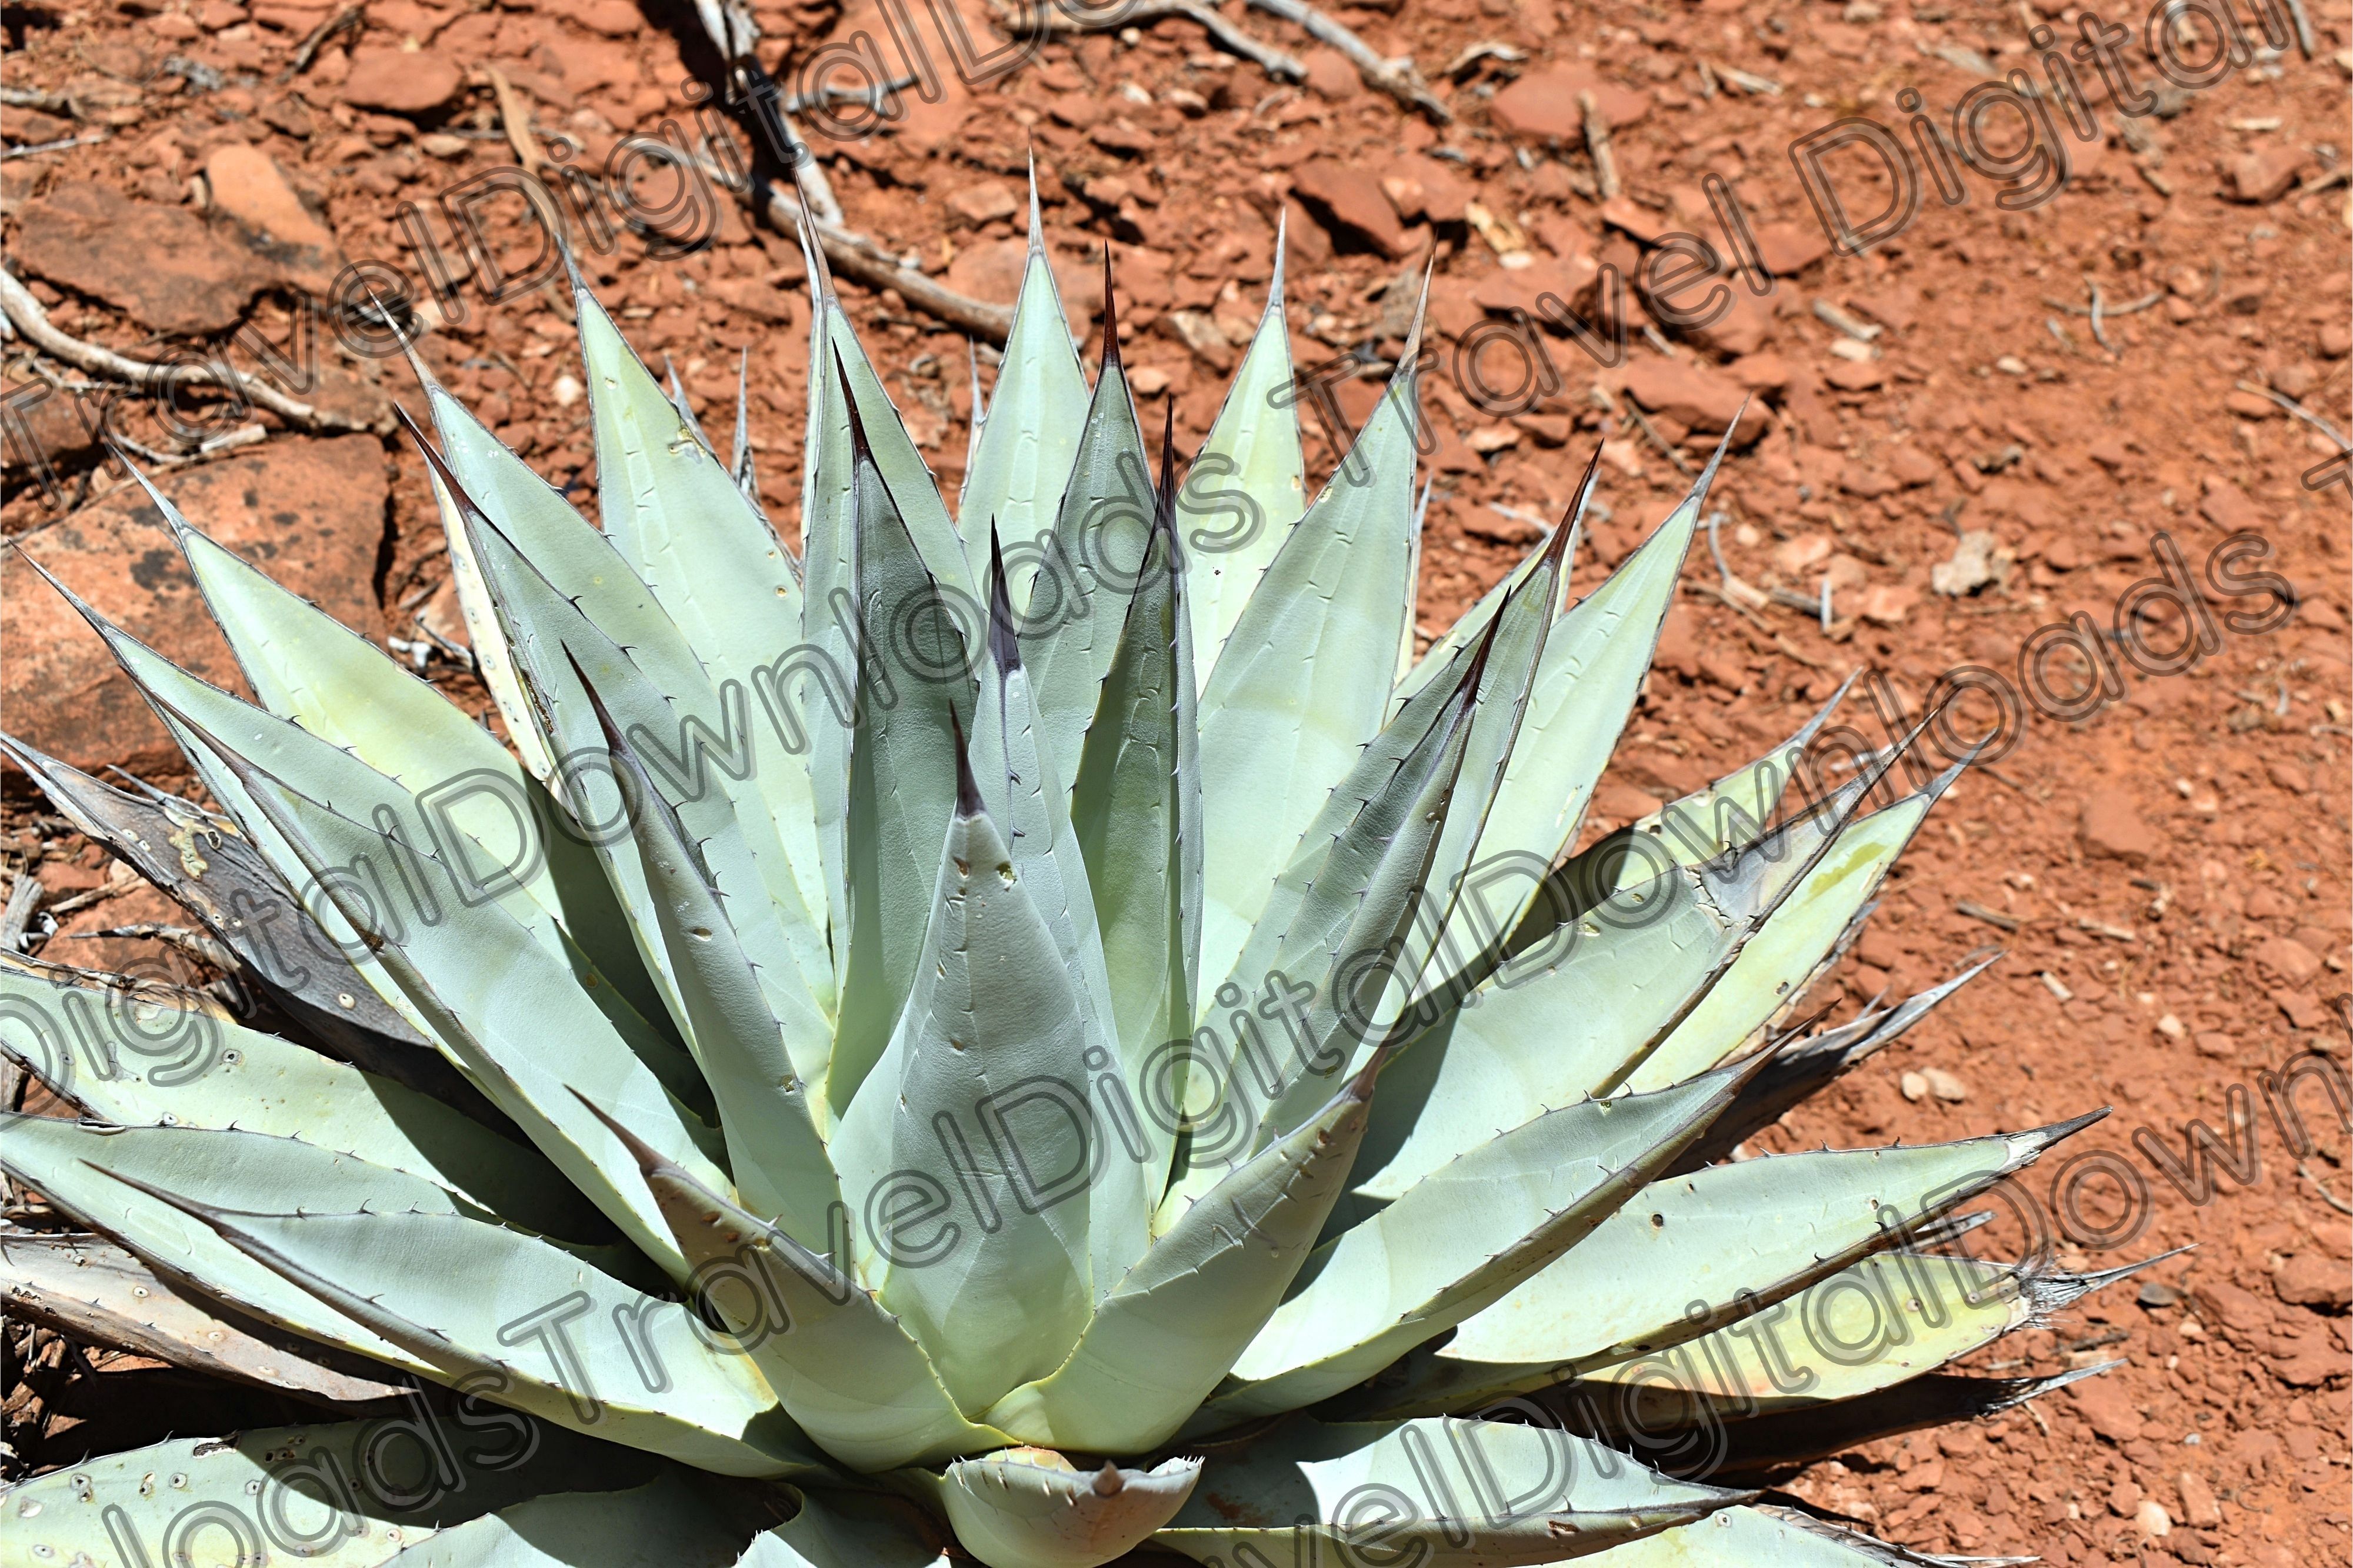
346	20
25	314
1397	77
1597	143
1224	34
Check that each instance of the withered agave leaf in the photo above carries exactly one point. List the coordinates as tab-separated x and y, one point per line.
1111	1000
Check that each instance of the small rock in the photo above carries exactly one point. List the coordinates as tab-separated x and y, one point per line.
2197	1505
1971	566
401	81
1788	249
311	513
1914	1086
2155	1295
1352	202
1200	333
2288	958
441	144
2265	176
1421	187
1887	605
2171	1028
2151	1519
1330	73
2110	825
2307	1280
2228	507
1542	106
1489	439
984	203
1499	530
163	265
1945	1086
1549	429
1912	467
1148	380
2216	1044
566	391
1851	375
251	188
1794	558
1704	401
2108	1406
758	299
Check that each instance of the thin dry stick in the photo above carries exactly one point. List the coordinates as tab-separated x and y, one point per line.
316	39
25	314
2304	1169
1597	143
514	119
2300	412
1397	79
34	98
1224	34
861	259
2108	312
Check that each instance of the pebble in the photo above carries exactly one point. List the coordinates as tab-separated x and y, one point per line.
2152	1519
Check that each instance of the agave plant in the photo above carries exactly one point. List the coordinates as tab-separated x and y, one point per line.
1038	1037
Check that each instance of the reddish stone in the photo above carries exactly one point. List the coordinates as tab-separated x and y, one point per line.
2286	958
252	189
1701	398
2108	1406
1788	249
309	512
1856	375
2110	825
401	81
1422	187
2310	1280
164	266
1542	105
1331	74
1351	202
2265	176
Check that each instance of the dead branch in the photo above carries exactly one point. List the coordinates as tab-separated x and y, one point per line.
1266	57
1396	78
24	313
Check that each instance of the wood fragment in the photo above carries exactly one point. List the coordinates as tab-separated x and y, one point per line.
514	119
1277	64
1994	918
1397	77
1597	145
25	314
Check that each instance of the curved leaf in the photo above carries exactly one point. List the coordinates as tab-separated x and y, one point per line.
668	1523
138	1062
845	1369
1454	1494
1023	448
1458	1240
522	1325
325	1492
1700	1251
713	564
1304	676
1029	1508
974	1143
1248	485
1181	1319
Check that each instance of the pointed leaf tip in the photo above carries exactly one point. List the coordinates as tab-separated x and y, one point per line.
969	802
1004	641
1109	316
